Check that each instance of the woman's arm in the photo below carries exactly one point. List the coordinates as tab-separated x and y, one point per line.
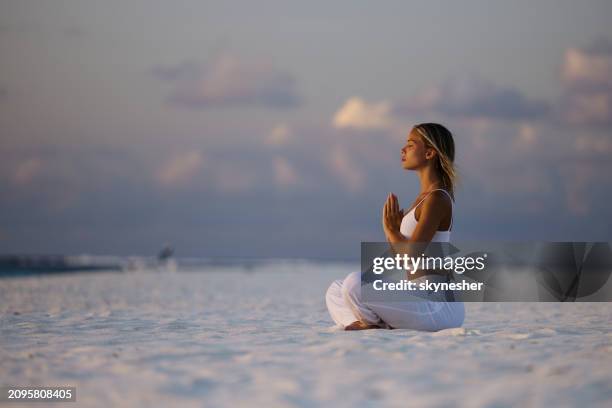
433	210
392	218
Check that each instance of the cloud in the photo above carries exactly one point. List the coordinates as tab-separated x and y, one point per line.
587	78
601	145
591	109
345	171
527	135
472	96
534	167
187	70
591	65
358	114
232	179
578	177
284	174
180	169
228	81
280	135
27	170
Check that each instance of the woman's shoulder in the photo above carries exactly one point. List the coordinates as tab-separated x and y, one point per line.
434	198
438	198
443	194
436	201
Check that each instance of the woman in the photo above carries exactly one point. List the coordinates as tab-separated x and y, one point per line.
430	151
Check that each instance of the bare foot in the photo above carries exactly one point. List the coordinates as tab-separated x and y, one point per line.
360	326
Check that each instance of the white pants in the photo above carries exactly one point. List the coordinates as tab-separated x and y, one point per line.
345	305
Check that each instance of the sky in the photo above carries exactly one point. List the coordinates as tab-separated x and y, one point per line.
274	128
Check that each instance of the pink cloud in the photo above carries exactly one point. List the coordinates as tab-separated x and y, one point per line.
284	173
27	170
229	81
472	96
344	169
587	77
180	169
359	114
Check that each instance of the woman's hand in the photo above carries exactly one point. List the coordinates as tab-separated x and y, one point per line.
392	216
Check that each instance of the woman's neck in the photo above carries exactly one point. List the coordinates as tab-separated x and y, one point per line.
429	180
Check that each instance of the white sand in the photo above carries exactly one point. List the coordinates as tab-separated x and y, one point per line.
264	338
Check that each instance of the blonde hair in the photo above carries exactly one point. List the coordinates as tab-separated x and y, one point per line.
440	138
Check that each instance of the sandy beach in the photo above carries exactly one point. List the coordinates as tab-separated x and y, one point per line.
262	337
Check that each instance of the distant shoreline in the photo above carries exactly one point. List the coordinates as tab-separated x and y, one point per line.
31	265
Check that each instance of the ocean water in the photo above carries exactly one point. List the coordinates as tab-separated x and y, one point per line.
261	336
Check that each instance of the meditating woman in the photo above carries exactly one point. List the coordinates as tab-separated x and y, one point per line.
430	151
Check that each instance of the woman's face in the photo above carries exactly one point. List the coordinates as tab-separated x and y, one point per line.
414	152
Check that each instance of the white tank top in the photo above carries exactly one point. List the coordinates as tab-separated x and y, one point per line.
409	222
